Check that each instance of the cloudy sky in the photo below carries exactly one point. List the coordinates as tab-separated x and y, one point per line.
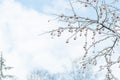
21	21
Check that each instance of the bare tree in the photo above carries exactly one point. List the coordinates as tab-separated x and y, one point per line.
74	74
3	69
36	75
103	25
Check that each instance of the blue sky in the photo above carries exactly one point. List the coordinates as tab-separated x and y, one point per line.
43	6
35	4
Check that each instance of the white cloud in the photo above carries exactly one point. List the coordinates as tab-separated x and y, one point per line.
21	45
19	28
24	49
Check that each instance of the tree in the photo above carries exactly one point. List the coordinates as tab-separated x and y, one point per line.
72	74
101	32
37	75
4	68
78	73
